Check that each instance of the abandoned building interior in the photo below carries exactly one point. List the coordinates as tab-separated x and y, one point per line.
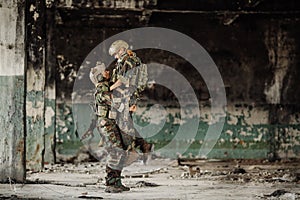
235	136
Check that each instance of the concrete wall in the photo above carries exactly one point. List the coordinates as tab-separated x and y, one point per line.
40	88
12	84
35	88
255	45
27	71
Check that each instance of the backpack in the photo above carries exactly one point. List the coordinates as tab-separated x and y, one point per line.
141	77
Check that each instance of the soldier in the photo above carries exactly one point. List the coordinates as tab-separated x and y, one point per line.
108	129
129	79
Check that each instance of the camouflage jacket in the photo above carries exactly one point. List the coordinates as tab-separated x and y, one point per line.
103	99
132	73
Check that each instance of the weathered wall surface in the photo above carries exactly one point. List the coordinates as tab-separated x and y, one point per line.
40	87
255	45
12	81
35	94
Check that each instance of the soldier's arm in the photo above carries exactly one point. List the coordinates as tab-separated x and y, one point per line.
127	71
118	83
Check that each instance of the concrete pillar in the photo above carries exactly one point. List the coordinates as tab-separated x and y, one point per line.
12	84
50	88
282	56
35	94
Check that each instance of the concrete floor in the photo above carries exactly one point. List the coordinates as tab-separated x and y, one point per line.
208	180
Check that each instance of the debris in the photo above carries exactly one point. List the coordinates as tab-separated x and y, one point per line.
219	173
185	175
284	178
191	161
255	168
157	171
8	197
277	193
206	172
146	184
239	171
15	197
89	197
185	168
259	183
194	171
137	176
281	194
280	179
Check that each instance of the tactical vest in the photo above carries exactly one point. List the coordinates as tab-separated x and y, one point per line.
102	99
130	67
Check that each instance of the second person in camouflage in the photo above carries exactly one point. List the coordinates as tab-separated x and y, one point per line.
128	79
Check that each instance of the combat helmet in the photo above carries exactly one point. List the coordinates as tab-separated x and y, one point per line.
116	46
96	73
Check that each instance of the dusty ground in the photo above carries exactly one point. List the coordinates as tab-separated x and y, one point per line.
164	179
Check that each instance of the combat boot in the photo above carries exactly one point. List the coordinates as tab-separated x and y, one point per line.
119	183
113	181
117	187
113	189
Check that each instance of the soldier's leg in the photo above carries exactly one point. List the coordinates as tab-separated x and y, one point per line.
132	140
139	141
145	147
116	158
113	181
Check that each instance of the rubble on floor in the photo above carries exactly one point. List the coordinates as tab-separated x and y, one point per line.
165	179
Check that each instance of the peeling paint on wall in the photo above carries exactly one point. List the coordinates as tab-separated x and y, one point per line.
49	137
280	50
35	94
50	85
289	141
50	116
65	127
249	115
12	67
241	140
35	119
35	110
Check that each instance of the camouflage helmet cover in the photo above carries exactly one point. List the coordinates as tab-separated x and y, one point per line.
116	46
96	72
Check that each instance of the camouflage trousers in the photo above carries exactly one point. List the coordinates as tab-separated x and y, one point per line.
132	139
116	151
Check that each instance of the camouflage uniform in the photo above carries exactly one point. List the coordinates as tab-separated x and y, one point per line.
112	138
131	72
108	128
